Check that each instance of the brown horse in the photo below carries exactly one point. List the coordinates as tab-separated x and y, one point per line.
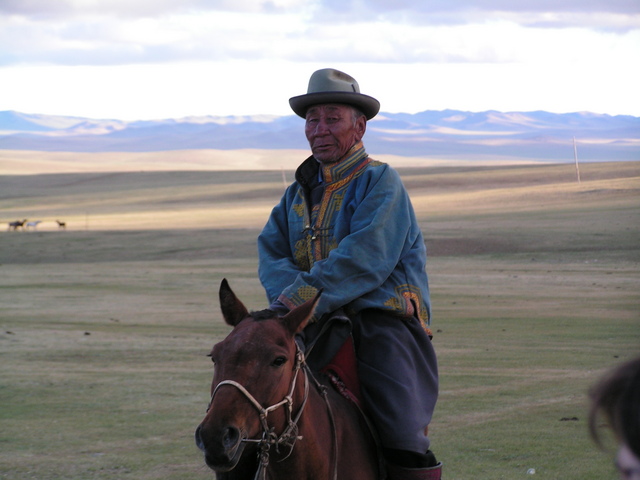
268	416
17	224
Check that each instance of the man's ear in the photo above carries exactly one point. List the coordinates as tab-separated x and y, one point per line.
360	127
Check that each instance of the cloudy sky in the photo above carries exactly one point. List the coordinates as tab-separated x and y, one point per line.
152	59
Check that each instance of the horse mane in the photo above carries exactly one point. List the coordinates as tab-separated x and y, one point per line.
265	314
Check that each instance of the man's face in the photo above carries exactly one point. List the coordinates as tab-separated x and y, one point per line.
331	131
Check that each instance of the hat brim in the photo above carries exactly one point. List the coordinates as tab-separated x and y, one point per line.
366	104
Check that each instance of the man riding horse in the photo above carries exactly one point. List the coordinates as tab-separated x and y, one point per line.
346	226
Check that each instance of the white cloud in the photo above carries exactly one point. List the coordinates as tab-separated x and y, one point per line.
160	58
157	91
615	14
47	9
221	35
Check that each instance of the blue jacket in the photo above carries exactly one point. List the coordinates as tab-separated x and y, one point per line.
361	244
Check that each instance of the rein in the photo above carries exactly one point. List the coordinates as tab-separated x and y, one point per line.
290	434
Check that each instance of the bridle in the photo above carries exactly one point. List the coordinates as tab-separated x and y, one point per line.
289	436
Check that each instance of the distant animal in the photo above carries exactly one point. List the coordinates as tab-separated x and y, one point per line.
33	224
17	224
62	225
268	416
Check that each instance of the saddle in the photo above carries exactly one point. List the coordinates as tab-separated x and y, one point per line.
342	371
330	350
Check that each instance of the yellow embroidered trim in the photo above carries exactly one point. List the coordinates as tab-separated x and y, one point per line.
306	292
300	254
298	208
408	293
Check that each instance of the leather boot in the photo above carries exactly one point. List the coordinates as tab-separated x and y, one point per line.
401	473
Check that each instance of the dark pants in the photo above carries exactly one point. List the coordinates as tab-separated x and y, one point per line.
398	374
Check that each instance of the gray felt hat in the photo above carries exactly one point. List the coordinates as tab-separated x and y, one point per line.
333	86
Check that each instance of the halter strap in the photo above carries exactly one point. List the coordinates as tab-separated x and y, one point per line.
290	434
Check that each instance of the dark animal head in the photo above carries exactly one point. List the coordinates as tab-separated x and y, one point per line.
259	355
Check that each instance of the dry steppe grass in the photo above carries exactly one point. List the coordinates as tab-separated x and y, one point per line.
25	162
105	326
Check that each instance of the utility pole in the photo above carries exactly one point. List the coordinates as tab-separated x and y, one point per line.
575	156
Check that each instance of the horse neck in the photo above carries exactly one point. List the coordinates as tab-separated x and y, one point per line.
311	456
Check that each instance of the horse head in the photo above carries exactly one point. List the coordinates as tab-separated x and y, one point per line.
254	392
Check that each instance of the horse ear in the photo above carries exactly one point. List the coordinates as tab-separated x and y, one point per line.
298	318
233	310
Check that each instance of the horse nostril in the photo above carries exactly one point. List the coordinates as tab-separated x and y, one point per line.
231	437
198	438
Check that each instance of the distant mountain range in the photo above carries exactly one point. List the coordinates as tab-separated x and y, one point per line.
444	134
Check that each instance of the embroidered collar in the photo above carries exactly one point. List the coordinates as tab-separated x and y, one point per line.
343	167
310	171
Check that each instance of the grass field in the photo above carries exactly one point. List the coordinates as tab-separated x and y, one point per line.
105	326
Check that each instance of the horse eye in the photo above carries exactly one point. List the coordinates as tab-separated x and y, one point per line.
278	362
